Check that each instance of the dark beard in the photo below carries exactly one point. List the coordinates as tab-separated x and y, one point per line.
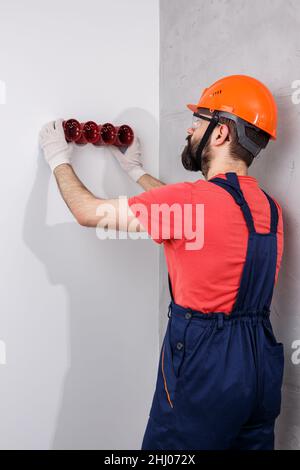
206	160
188	157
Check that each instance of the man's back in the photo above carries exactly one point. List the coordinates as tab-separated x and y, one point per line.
207	279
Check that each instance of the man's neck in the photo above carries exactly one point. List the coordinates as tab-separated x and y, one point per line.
215	171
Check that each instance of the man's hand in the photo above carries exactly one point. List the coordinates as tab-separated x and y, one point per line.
130	160
53	142
81	202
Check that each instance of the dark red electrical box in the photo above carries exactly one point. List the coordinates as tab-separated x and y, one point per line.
97	134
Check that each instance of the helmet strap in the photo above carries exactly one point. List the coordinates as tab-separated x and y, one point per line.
213	123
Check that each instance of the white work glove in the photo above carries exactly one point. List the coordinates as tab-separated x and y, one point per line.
53	142
129	159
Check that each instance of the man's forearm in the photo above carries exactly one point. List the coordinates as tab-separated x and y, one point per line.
149	182
75	194
84	205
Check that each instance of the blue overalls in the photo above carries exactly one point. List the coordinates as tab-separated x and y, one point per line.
220	375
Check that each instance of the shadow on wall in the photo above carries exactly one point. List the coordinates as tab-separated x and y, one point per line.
106	393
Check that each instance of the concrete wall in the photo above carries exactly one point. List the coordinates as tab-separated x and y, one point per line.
79	316
202	41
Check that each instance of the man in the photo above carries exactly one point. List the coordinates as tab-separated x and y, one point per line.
221	368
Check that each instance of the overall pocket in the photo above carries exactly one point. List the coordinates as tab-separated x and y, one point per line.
173	354
167	370
271	342
273	379
273	370
183	338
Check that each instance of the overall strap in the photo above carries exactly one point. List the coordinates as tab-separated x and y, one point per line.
232	186
274	213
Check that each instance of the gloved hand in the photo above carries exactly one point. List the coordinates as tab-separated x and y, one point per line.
129	159
53	142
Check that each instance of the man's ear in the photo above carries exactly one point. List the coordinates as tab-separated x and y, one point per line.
220	135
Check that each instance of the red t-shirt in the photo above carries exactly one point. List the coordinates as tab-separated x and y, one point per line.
206	277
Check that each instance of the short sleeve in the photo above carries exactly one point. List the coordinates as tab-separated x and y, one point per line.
160	210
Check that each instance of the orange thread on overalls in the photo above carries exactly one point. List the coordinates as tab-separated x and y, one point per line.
165	382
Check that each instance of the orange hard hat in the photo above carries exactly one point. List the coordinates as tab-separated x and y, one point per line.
244	97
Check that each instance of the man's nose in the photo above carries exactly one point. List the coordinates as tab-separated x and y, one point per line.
190	130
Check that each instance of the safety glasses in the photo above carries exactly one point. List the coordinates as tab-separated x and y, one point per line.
198	119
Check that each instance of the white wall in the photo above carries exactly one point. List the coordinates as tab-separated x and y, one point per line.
202	41
79	316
